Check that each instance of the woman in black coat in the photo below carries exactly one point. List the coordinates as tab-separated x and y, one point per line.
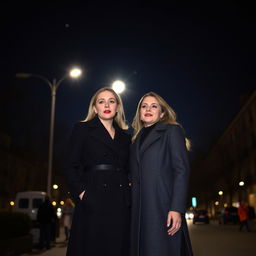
160	171
96	172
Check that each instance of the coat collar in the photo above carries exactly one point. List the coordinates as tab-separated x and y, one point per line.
153	136
100	133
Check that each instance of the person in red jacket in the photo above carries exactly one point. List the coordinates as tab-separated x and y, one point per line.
243	213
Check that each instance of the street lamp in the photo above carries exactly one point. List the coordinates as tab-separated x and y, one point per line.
118	86
220	192
241	183
55	186
54	85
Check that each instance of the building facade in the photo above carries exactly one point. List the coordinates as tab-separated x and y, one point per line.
18	172
228	172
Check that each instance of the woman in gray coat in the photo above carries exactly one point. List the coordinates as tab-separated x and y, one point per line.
159	173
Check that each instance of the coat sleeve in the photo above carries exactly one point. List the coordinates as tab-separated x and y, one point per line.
73	167
180	169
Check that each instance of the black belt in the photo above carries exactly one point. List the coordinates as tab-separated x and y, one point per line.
104	167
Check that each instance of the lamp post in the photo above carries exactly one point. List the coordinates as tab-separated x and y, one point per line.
54	85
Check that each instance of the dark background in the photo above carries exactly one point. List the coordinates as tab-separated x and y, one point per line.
200	58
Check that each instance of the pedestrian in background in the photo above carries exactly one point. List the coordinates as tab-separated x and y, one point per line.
160	172
96	172
251	221
46	218
243	213
67	212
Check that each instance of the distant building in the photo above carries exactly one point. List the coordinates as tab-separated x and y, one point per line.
18	172
230	166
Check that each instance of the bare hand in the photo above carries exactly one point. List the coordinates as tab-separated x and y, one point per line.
173	218
81	195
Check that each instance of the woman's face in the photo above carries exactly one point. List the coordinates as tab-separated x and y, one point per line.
150	111
106	105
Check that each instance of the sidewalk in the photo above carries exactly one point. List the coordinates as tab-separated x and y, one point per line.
58	250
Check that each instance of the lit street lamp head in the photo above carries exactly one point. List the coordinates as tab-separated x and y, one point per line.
75	72
118	86
241	183
55	186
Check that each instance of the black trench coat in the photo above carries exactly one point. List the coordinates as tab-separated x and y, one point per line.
102	218
159	173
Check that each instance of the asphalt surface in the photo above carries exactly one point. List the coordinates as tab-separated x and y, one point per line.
207	240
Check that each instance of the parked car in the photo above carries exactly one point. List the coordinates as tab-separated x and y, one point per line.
201	216
28	202
228	215
189	215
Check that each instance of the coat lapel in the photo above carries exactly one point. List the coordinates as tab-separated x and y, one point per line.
100	133
153	136
136	147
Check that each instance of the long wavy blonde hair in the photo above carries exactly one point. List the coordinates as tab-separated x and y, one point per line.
169	115
119	117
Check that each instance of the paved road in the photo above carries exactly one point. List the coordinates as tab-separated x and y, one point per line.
221	240
207	240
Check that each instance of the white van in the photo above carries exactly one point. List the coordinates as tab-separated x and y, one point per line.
29	202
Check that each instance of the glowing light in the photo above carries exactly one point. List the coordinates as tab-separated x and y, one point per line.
220	192
189	215
241	183
61	202
11	203
236	204
118	86
54	203
217	203
75	72
55	186
194	202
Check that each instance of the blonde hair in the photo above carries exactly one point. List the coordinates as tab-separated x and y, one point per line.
119	117
169	115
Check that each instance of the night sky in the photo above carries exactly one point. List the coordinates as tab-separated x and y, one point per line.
199	58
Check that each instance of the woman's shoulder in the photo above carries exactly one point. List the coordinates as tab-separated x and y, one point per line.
174	128
80	125
170	126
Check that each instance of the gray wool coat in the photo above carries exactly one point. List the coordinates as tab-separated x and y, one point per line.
159	176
